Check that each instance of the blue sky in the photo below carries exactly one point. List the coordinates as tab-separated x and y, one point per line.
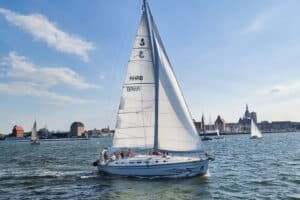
62	61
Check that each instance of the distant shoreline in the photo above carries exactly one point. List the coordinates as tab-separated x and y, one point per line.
246	133
53	139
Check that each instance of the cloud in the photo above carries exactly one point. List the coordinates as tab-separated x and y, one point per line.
286	89
261	21
20	68
282	89
257	24
275	90
42	29
31	89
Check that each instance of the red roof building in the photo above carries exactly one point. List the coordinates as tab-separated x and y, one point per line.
18	131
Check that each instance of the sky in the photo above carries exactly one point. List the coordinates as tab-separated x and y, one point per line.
65	61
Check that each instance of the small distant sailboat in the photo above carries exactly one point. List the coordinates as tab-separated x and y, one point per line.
153	119
204	132
218	135
255	132
34	138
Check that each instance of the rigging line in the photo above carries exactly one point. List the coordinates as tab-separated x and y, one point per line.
137	48
124	113
132	127
128	137
143	115
146	83
137	61
155	68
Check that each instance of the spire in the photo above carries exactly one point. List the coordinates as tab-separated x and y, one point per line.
247	113
144	5
202	123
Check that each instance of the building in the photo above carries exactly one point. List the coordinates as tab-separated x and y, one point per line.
94	133
59	134
106	131
279	126
233	128
198	126
18	131
220	124
249	115
77	129
43	133
201	127
245	122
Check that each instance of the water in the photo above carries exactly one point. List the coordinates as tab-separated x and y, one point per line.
243	169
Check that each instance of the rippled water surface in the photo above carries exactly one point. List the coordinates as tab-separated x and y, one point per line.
243	169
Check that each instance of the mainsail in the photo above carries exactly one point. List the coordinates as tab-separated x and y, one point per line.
153	112
135	120
255	132
33	132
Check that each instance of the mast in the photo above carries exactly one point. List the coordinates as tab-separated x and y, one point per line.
203	125
156	72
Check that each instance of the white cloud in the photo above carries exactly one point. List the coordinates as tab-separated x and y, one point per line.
261	21
42	29
257	24
280	90
31	89
285	89
20	68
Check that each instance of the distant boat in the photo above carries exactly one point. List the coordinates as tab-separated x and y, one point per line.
153	119
34	137
205	138
218	135
255	132
204	132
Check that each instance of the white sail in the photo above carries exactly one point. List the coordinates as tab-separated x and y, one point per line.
255	132
33	132
176	130
135	120
218	132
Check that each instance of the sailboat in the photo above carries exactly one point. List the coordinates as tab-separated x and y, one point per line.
154	134
204	131
218	134
34	138
255	132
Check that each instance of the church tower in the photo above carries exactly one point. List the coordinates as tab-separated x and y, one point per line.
247	113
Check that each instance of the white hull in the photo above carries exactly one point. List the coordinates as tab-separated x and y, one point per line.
155	166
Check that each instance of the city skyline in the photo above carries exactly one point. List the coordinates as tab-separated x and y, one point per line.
56	69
